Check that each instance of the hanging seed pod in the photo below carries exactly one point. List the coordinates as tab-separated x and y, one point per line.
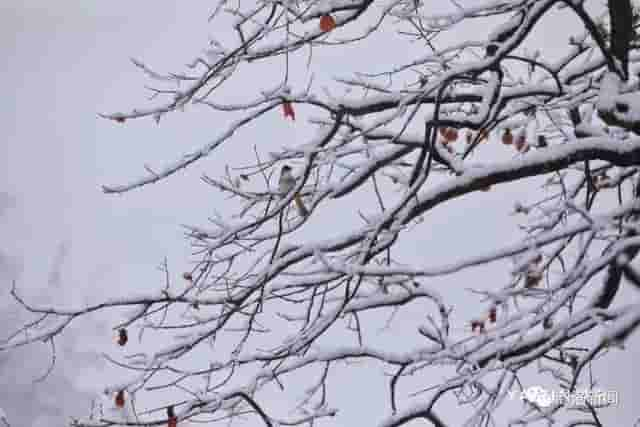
520	142
474	325
507	137
123	338
287	110
603	181
532	279
477	324
119	401
172	420
327	23
493	314
451	135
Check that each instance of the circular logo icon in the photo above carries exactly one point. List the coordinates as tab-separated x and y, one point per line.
545	399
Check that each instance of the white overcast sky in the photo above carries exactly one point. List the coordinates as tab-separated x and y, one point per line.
66	242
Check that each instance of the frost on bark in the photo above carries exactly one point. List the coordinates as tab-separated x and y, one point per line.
267	305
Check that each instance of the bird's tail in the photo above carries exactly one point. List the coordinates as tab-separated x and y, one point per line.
302	209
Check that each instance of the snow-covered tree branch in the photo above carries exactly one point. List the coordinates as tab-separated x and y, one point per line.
270	303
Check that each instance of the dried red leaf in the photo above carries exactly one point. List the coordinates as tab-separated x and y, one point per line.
120	399
287	108
448	135
603	181
477	324
122	337
532	279
507	137
172	420
493	314
521	142
451	135
327	23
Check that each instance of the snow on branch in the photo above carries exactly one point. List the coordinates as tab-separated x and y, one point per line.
312	250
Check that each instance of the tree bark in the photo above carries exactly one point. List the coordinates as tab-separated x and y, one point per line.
620	13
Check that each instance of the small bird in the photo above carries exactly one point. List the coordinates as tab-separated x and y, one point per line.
287	183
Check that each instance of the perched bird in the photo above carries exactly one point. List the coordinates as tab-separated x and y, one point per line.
287	183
